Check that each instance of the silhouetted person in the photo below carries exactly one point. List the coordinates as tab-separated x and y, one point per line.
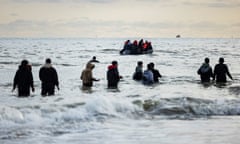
155	72
23	79
87	76
127	47
220	71
94	59
148	76
138	74
205	71
49	78
113	76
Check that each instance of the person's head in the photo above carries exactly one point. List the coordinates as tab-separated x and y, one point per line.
140	63
24	62
149	67
207	60
48	61
94	58
221	60
114	62
152	65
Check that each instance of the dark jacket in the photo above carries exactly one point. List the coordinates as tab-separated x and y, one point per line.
156	75
112	76
220	72
48	75
205	72
23	80
138	74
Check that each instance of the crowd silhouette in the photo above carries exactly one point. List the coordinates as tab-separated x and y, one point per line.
23	79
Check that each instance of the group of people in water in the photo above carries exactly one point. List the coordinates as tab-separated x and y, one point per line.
48	76
136	47
23	79
219	73
149	76
113	76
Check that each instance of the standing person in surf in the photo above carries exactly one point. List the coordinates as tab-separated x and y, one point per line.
49	78
113	76
205	71
23	79
220	72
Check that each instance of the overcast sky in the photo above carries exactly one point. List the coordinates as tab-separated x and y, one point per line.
120	18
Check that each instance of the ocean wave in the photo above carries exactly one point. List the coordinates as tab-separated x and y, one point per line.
12	114
192	107
8	63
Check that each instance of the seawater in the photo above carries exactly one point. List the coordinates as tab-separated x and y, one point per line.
177	110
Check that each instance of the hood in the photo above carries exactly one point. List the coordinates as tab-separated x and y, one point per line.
47	65
90	66
112	67
205	65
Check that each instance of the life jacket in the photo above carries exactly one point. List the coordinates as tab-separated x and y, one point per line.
110	67
145	45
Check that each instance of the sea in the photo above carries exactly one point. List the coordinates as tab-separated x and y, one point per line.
177	110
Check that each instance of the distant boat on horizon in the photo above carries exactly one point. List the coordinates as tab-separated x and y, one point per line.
178	36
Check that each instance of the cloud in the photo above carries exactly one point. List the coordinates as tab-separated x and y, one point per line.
36	1
86	27
64	1
23	27
236	25
215	3
13	14
82	27
207	25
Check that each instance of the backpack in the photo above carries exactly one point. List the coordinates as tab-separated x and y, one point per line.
204	69
146	77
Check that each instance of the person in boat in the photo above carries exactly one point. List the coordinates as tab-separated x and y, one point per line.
149	46
140	44
138	74
94	60
148	76
23	79
220	72
134	48
126	48
49	78
113	76
156	73
146	46
87	76
205	71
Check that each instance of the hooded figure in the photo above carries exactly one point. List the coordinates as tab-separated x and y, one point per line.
23	79
87	76
113	76
205	71
48	76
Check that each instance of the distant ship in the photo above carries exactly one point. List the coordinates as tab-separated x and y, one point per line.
178	36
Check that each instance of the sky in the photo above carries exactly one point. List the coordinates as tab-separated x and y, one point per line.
120	18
